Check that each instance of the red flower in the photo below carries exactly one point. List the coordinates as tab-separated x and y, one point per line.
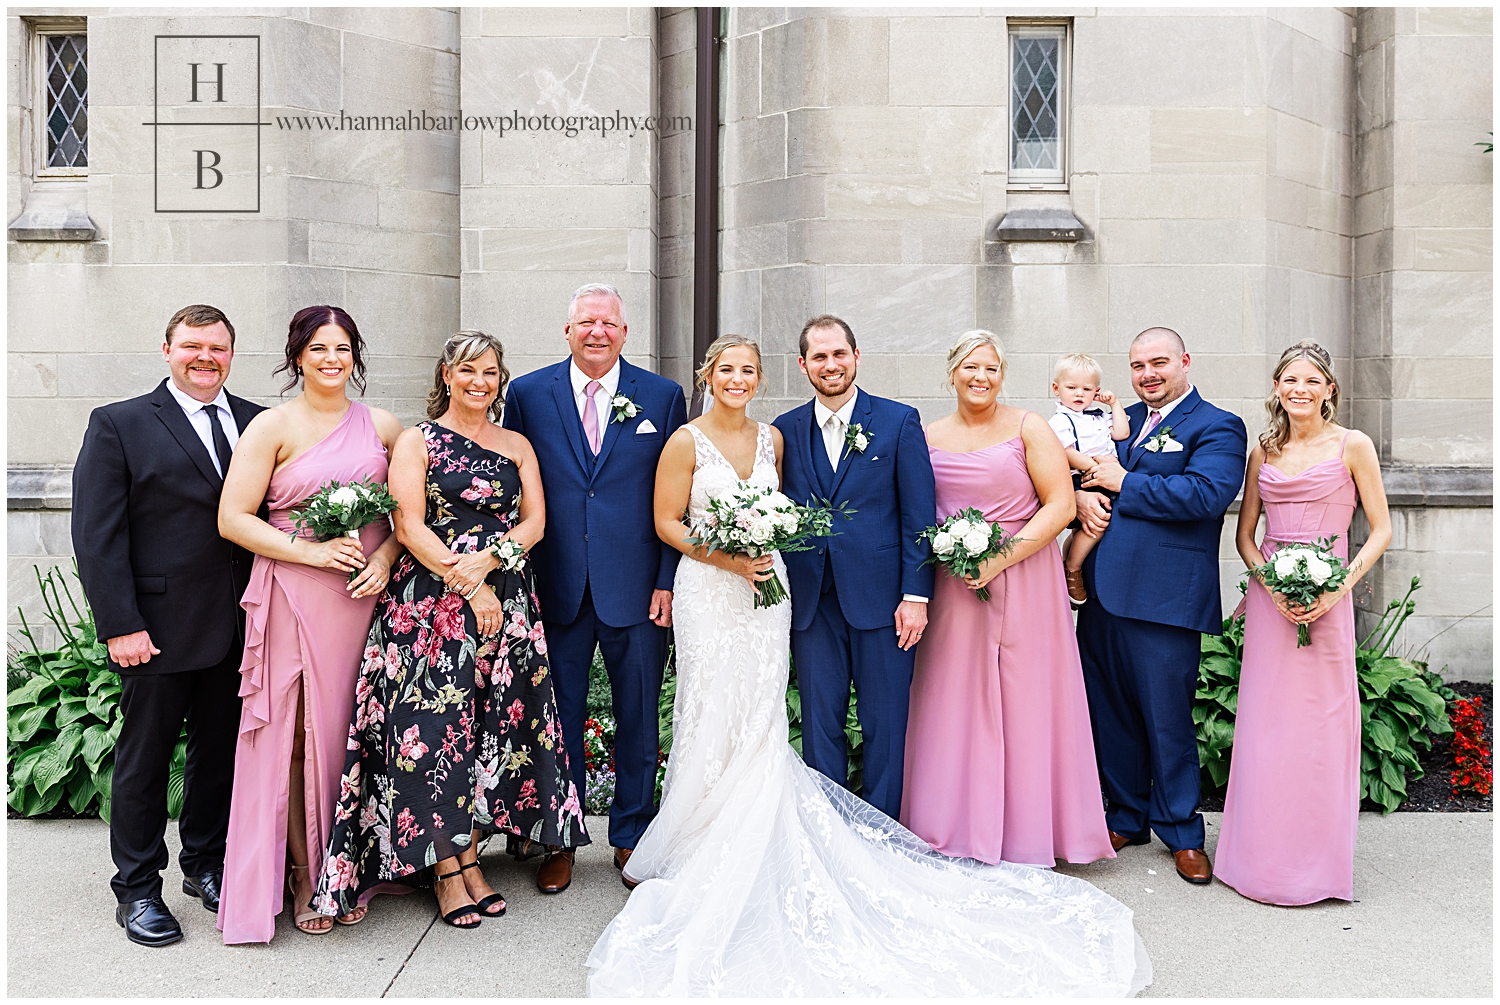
1471	754
403	618
516	711
448	616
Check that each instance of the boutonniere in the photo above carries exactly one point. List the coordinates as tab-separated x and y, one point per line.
624	408
1162	442
856	439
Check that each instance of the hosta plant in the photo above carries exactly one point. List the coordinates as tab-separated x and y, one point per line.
1217	700
63	714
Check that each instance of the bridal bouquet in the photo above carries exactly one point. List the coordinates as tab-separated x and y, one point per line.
755	522
343	510
964	541
1302	573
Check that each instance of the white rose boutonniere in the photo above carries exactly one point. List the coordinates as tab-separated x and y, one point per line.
624	408
856	439
1162	442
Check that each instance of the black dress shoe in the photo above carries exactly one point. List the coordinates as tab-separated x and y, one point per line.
148	922
205	888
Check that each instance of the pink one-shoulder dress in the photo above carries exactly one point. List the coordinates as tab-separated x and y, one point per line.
302	631
1292	808
999	753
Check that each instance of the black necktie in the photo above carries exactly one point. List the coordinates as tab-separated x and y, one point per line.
221	442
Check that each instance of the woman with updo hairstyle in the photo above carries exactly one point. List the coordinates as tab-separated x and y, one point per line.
999	753
455	731
1292	808
307	611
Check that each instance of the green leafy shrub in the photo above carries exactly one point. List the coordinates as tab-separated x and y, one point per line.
63	709
1402	706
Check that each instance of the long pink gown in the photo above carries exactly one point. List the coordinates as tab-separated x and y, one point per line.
302	630
1292	808
999	755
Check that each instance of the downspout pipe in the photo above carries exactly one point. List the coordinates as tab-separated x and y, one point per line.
706	194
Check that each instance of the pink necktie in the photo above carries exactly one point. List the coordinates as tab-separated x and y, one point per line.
591	415
1151	423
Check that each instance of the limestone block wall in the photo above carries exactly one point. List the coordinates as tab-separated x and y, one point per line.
543	212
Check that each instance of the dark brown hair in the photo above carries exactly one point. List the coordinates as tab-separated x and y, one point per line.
824	321
464	347
199	316
305	324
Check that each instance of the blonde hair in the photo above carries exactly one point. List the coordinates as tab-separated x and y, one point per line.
967	343
465	347
717	349
1279	426
1077	362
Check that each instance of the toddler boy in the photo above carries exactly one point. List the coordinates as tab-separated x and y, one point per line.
1087	431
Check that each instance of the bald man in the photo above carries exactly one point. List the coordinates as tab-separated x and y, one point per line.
1153	586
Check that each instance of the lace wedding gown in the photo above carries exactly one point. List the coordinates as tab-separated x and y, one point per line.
760	877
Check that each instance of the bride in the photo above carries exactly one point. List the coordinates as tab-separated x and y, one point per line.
760	877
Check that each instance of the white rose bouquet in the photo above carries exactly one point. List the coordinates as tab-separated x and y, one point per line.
964	541
751	521
1302	573
343	510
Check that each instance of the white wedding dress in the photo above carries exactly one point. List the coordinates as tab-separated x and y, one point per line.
760	877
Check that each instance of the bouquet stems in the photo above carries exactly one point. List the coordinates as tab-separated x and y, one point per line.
770	592
1304	637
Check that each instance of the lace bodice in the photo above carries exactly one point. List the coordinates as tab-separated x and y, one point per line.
712	472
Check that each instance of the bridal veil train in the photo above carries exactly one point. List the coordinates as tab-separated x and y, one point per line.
760	877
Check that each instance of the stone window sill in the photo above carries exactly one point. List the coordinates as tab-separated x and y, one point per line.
1040	224
56	210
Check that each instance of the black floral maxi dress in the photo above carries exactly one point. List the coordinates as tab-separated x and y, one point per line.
450	732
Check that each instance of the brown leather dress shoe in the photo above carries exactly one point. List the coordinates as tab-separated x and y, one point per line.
1193	865
556	871
1118	840
622	855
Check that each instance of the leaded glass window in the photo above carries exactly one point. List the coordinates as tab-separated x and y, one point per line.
66	80
1038	77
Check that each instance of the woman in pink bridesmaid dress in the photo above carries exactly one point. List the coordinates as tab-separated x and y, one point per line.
305	624
999	754
1292	808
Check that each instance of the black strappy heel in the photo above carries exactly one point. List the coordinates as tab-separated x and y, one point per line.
488	902
468	910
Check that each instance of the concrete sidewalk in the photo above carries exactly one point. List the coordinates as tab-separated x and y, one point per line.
1422	927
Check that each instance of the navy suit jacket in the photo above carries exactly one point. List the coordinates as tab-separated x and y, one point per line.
601	528
876	555
1159	559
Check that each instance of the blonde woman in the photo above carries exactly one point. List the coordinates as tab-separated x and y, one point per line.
1293	803
762	877
999	758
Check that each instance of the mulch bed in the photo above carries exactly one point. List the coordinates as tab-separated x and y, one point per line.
1433	792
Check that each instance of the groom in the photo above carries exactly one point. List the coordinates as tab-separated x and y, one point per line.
606	579
859	598
1153	581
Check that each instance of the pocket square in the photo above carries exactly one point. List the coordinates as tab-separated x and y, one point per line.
646	427
1171	447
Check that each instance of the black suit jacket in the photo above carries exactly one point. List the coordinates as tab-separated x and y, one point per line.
146	533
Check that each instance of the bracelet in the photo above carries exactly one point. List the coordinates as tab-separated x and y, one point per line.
470	594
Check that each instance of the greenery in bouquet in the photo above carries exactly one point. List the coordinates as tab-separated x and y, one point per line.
964	542
1303	573
749	521
343	509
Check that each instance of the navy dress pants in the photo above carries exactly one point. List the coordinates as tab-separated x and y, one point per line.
633	658
1140	677
828	654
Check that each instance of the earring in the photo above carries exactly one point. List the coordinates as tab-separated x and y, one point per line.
299	369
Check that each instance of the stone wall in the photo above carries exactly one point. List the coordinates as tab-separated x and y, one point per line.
1248	177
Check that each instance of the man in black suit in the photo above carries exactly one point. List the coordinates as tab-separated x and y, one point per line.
165	590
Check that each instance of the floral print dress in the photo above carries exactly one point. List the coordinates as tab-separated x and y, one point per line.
451	732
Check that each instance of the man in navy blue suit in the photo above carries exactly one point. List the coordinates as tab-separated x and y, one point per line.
604	578
859	598
1153	584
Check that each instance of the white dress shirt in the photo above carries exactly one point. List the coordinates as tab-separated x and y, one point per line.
835	425
1165	411
197	416
608	384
